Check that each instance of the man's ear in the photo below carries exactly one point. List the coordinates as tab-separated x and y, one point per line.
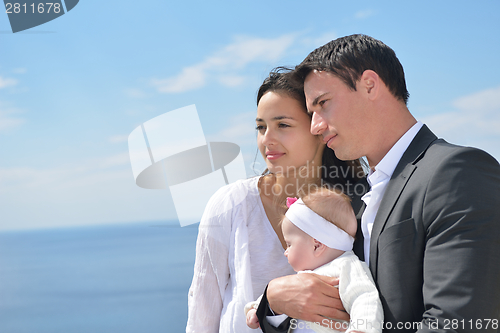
370	84
319	248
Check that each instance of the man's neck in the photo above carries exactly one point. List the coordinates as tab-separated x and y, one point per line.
388	138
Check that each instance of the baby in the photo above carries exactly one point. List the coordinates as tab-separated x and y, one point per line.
319	232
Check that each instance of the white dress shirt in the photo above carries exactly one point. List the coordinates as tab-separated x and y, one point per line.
378	181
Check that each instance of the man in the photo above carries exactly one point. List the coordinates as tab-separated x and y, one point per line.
431	225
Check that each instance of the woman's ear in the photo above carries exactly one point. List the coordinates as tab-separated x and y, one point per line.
319	248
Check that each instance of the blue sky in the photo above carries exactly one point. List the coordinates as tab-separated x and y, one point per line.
73	89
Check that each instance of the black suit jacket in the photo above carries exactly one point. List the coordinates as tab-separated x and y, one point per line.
435	245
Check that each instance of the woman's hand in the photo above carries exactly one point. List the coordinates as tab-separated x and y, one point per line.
306	296
252	320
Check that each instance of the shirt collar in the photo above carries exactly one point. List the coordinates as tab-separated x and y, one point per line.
385	168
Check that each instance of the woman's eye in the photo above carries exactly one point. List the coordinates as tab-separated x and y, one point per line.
259	128
321	103
283	125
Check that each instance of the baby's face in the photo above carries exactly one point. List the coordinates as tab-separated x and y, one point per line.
300	247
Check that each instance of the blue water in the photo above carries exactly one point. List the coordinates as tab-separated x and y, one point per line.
120	278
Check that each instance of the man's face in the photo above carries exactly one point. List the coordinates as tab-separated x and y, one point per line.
339	114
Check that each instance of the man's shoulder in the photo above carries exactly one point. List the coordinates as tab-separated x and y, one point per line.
448	171
427	149
440	151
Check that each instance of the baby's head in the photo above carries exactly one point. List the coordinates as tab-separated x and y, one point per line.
318	228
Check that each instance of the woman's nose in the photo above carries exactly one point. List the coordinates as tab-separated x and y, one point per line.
269	138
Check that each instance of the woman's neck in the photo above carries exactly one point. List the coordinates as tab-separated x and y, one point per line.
291	184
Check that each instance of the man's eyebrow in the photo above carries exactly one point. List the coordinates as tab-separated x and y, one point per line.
316	100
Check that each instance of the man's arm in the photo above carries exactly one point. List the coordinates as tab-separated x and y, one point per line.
308	297
461	274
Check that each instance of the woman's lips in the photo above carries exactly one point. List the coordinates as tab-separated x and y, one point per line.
273	155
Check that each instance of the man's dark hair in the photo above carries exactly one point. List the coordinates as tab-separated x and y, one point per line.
348	57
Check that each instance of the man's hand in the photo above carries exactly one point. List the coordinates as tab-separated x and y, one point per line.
306	296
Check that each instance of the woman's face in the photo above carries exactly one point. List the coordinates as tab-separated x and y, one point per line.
284	138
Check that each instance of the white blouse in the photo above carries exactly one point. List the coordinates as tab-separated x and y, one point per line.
237	254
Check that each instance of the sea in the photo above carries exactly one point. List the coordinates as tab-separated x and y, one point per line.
120	278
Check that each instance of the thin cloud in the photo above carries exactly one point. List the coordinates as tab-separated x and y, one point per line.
241	129
310	43
232	80
483	101
190	78
475	122
135	93
64	176
8	121
74	195
118	138
225	64
20	70
7	82
363	14
122	159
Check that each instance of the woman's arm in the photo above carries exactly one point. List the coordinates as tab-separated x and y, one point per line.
211	271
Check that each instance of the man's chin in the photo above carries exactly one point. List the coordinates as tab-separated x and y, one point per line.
341	155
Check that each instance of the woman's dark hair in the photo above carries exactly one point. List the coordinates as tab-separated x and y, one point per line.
335	172
348	57
279	81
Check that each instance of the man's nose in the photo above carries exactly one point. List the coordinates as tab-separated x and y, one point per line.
318	124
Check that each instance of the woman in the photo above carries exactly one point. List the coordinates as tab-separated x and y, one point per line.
240	245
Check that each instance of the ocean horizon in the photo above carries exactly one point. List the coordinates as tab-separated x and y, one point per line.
124	278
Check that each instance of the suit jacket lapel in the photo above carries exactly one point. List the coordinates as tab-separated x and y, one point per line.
359	206
402	173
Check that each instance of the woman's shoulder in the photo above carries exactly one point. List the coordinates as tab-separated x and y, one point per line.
229	197
240	188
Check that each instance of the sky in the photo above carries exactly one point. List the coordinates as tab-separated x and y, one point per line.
73	89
